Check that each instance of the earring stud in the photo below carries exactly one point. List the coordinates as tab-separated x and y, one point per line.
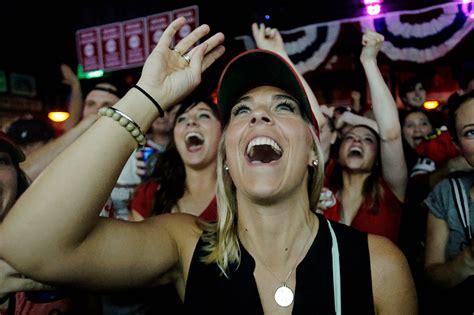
315	163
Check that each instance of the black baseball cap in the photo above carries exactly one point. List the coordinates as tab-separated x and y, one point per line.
24	131
259	67
7	145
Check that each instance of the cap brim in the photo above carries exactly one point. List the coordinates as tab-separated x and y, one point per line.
256	68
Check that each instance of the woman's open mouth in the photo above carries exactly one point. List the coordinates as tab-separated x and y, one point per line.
263	150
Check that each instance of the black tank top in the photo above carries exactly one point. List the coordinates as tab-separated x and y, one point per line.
209	292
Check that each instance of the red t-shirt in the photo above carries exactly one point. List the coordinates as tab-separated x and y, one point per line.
142	202
385	222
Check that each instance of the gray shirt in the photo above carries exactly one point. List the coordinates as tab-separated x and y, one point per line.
442	205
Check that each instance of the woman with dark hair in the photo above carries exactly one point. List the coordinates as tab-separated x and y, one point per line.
449	251
369	177
184	178
413	93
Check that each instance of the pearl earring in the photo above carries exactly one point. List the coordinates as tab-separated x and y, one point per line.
315	163
226	167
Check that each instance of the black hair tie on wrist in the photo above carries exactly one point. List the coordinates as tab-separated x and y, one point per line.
157	105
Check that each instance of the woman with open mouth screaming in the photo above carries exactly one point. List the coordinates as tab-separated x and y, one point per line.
268	252
369	177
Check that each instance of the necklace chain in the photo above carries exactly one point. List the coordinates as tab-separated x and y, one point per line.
284	283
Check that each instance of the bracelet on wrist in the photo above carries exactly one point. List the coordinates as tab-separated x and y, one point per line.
157	105
126	122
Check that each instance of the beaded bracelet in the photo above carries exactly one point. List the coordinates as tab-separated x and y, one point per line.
125	122
157	105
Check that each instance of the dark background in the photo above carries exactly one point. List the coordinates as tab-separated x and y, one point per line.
37	37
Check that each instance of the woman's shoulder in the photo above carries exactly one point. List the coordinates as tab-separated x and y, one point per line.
387	262
467	178
389	265
383	250
445	187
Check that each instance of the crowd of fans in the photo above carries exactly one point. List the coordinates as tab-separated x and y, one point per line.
400	172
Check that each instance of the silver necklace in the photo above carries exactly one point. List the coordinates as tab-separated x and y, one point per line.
284	295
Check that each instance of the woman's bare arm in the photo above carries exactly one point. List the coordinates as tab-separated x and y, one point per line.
76	104
53	232
40	158
394	168
393	287
442	272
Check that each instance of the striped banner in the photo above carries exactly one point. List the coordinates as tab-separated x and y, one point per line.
418	36
439	30
309	46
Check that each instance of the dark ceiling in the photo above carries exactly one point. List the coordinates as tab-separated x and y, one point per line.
38	34
36	38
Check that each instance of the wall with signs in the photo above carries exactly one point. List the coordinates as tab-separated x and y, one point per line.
126	44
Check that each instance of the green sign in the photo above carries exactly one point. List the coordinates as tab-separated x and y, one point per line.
88	75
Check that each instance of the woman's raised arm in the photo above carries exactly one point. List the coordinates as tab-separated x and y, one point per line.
54	234
386	114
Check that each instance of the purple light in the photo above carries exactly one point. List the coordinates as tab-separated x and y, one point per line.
467	7
371	2
374	9
472	16
267	17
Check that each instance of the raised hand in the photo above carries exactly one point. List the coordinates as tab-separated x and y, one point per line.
268	38
169	74
69	77
326	200
141	168
349	118
371	42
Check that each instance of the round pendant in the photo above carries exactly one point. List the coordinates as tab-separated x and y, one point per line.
284	296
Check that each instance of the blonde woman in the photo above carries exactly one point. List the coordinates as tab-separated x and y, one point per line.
268	252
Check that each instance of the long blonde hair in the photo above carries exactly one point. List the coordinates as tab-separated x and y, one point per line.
221	238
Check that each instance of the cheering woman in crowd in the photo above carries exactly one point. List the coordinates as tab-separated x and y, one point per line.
267	253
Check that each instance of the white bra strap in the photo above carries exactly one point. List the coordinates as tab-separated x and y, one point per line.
336	271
